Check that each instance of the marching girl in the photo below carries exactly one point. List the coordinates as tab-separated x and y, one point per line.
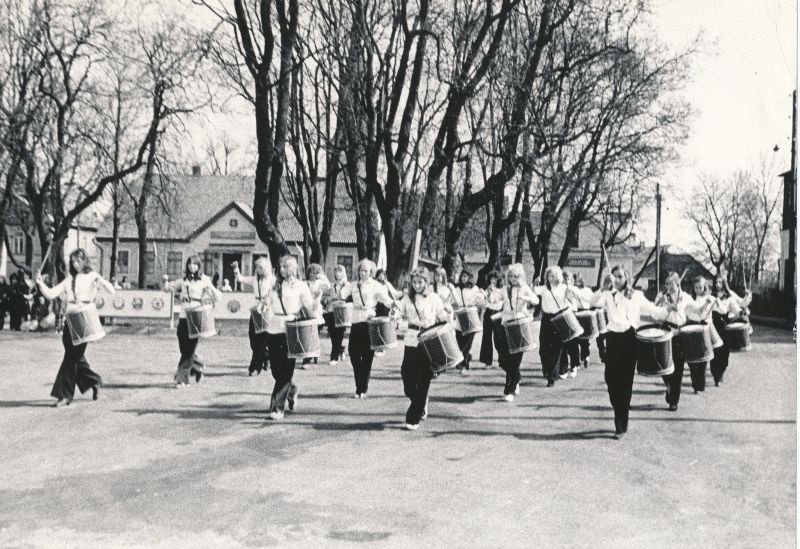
366	294
290	298
624	306
607	286
444	289
422	308
584	298
728	307
571	350
79	288
554	298
318	284
380	308
330	299
493	296
516	301
467	295
680	307
192	287
262	283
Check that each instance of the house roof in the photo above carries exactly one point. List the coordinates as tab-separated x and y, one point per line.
675	259
196	202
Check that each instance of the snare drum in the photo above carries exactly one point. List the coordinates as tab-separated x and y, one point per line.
343	314
468	320
695	340
567	325
716	340
84	324
200	321
602	320
519	335
441	347
302	338
654	351
382	333
589	324
738	335
258	314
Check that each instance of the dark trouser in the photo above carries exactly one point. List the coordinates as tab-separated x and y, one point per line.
417	375
721	354
697	370
74	370
282	371
570	356
510	365
337	336
2	318
258	344
583	344
673	380
486	355
620	367
188	363
15	312
465	344
601	347
549	347
360	355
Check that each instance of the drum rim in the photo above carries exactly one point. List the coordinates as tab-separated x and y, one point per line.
737	326
666	336
692	328
304	322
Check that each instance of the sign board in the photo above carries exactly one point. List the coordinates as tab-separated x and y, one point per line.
585	262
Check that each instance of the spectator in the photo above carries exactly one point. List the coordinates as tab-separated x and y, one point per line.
126	285
4	297
215	280
226	286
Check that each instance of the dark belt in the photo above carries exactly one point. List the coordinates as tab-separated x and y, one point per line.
413	326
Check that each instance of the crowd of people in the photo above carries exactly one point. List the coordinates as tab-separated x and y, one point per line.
25	306
427	303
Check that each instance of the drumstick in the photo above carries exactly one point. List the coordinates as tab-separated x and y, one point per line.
46	256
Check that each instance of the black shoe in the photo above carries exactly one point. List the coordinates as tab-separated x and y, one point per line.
551	383
673	407
94	392
250	373
197	375
717	383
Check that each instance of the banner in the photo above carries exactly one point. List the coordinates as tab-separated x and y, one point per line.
133	303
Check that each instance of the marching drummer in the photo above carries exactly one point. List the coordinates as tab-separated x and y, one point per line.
518	299
571	350
262	283
422	308
554	299
192	287
728	307
467	295
444	289
318	284
583	295
330	299
366	294
79	288
493	296
289	299
624	306
681	307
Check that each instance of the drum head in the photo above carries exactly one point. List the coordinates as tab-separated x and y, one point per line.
692	328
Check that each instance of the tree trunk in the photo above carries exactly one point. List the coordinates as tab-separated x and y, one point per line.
114	233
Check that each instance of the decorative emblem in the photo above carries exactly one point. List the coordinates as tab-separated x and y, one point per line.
137	303
99	302
157	303
118	303
234	306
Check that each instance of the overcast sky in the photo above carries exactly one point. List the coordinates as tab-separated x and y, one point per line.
741	91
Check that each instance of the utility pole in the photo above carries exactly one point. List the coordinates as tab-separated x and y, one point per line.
658	236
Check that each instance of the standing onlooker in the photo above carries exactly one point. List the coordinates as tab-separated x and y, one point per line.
4	295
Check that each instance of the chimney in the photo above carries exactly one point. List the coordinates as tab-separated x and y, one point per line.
196	170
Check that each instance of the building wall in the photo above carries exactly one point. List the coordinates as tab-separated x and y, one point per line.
16	237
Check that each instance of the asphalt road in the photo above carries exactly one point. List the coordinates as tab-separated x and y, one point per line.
151	466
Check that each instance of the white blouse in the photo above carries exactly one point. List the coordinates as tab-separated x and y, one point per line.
318	287
494	298
679	309
422	312
469	297
295	295
553	299
624	313
261	285
86	285
193	290
516	300
366	296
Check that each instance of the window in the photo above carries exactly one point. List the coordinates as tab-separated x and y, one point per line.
346	261
123	261
575	240
19	244
174	263
150	263
208	263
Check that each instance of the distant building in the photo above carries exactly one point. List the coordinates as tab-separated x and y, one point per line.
212	216
673	259
788	262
